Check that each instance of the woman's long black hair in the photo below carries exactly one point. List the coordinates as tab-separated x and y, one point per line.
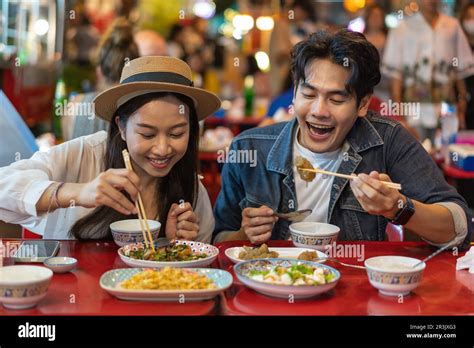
180	183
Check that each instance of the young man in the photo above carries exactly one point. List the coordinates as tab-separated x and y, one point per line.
334	77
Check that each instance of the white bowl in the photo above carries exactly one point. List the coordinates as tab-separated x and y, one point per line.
129	231
23	286
60	264
394	275
313	235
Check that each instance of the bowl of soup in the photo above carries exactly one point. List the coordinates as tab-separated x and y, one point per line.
129	231
23	286
313	235
394	275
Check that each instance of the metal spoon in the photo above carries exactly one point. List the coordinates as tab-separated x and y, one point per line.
294	216
432	255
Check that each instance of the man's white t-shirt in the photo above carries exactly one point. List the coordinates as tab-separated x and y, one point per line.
316	194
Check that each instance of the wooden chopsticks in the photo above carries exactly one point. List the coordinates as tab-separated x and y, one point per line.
350	177
140	208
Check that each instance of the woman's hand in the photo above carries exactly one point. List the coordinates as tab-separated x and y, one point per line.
182	222
107	189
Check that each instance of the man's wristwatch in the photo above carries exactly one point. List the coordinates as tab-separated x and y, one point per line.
405	213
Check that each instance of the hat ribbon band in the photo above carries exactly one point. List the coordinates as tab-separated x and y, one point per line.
159	76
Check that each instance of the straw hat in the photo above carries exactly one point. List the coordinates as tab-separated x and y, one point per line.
155	74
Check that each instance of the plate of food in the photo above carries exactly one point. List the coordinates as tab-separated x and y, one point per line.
285	278
238	254
165	284
180	253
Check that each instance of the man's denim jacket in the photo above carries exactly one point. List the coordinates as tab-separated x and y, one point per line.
376	143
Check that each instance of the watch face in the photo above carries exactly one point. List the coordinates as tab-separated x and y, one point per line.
405	213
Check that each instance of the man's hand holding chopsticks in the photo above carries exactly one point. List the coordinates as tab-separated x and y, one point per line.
375	197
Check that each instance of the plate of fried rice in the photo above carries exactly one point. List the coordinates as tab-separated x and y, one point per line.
165	284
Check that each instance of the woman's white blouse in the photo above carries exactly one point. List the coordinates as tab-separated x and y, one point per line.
77	161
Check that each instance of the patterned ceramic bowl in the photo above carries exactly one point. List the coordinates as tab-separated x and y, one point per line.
314	235
197	247
129	231
23	286
394	275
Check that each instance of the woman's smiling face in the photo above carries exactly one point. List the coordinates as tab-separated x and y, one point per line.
157	135
325	110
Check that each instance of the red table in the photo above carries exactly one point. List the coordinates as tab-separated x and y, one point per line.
443	291
79	292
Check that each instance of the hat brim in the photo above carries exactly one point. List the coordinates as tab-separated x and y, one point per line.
105	104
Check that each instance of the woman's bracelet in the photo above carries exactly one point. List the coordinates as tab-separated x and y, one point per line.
50	201
54	195
56	201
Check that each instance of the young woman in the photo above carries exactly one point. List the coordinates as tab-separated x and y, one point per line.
79	187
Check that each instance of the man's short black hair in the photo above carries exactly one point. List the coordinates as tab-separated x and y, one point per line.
348	49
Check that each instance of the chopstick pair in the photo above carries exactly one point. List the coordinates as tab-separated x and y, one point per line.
350	177
140	208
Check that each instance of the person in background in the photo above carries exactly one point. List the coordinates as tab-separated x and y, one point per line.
376	33
467	22
295	21
279	52
283	101
116	48
150	43
205	56
279	108
81	39
427	57
175	41
303	22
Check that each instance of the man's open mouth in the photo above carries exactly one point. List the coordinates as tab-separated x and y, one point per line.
318	129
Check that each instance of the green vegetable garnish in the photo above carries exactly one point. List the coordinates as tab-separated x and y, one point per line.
330	276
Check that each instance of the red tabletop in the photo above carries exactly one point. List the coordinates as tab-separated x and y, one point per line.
79	292
443	290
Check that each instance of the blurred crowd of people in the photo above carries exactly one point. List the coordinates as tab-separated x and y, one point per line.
426	60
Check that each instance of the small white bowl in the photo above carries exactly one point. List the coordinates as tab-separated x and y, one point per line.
394	275
60	264
23	286
313	235
129	231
